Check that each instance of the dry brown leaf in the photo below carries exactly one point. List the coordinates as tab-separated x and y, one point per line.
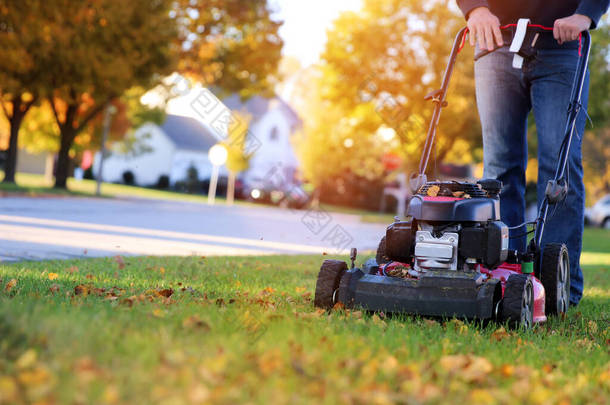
10	285
119	260
433	191
458	194
194	322
166	292
500	334
81	289
54	288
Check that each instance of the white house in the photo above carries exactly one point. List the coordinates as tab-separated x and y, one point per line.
273	122
169	149
180	142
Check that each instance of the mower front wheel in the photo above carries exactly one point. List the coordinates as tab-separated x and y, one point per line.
518	301
555	277
327	285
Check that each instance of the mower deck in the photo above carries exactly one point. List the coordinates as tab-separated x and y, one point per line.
435	293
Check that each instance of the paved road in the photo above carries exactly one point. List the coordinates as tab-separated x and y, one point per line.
62	228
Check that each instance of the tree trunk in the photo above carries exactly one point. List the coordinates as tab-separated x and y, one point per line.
10	166
63	157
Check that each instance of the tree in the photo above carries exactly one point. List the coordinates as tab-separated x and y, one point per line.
238	158
233	45
596	149
20	40
100	49
377	67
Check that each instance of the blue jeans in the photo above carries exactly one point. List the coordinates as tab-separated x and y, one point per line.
505	96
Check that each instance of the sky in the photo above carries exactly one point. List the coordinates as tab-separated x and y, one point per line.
305	25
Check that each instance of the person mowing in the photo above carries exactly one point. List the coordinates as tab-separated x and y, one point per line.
506	95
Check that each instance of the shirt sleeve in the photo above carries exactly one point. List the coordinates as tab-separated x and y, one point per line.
594	9
468	5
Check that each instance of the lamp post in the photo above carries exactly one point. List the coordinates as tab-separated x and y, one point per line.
218	156
110	111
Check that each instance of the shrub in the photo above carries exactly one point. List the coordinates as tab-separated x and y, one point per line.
163	182
129	178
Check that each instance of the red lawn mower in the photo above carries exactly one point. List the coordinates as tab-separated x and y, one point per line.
451	256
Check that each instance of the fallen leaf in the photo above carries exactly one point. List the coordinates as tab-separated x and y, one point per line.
27	359
8	389
166	292
268	290
507	370
458	194
73	270
89	276
157	313
469	368
119	260
433	191
10	285
54	288
81	289
500	334
53	276
194	322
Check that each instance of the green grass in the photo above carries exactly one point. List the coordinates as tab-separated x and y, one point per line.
245	330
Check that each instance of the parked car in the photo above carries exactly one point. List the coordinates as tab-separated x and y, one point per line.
286	196
599	214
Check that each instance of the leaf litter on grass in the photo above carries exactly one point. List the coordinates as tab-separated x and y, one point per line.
262	340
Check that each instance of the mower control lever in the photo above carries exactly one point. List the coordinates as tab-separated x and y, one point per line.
435	96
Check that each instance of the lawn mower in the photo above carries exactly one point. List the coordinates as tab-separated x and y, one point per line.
450	256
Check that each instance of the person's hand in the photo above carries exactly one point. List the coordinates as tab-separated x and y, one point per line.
568	28
485	27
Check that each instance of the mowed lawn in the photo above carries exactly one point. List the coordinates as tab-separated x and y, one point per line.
244	330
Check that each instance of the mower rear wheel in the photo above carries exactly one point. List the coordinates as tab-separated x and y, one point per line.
381	256
327	285
555	277
518	301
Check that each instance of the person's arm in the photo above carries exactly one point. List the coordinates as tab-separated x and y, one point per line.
585	17
468	5
594	9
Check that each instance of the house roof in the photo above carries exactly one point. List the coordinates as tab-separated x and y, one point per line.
188	133
258	106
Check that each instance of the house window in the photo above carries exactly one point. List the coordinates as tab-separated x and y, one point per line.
274	135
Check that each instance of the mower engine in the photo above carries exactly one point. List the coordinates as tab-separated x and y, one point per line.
453	226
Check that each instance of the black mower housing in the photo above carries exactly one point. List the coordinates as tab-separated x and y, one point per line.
440	293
